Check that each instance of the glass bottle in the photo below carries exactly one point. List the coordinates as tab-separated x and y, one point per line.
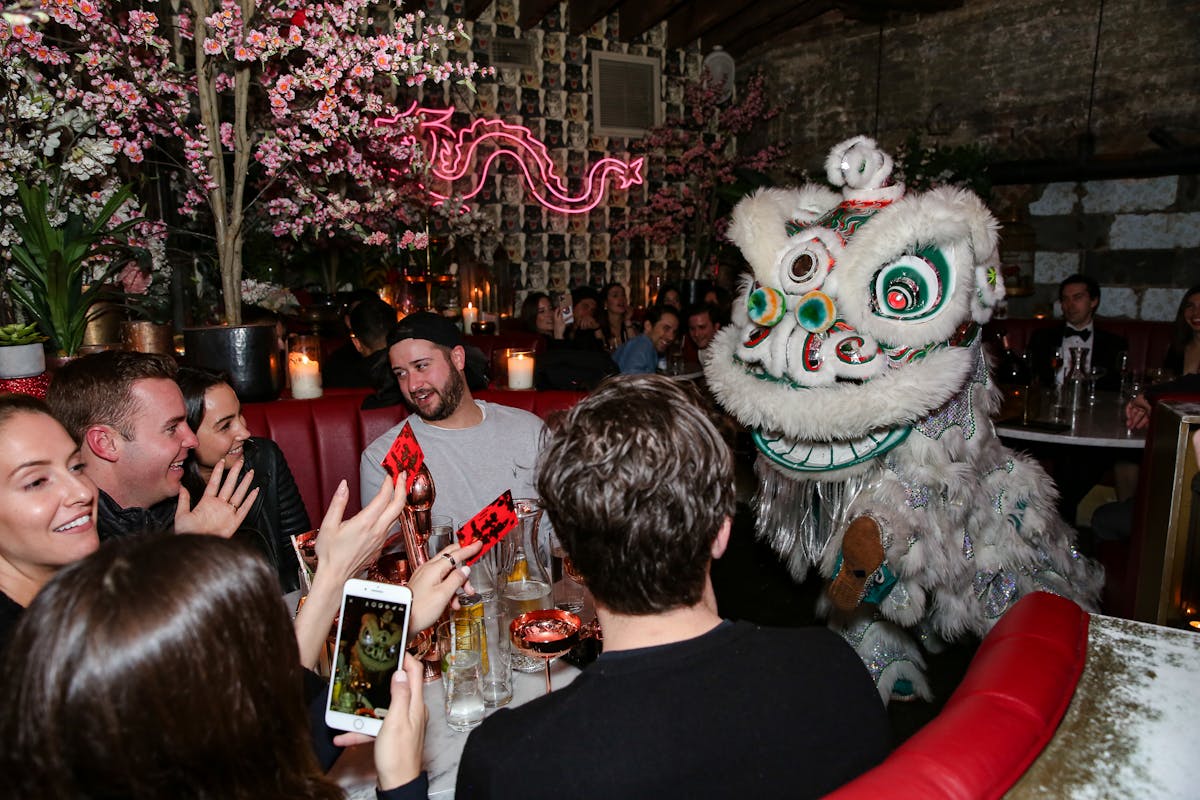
1075	384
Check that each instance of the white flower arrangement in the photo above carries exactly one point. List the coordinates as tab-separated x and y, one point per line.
270	296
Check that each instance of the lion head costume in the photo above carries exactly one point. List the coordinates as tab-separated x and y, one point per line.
855	360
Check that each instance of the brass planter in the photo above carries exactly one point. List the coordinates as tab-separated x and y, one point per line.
144	336
105	327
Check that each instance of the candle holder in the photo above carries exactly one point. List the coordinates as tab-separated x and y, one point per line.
520	368
487	328
304	366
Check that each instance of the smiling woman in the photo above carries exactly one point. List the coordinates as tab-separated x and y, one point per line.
47	504
215	414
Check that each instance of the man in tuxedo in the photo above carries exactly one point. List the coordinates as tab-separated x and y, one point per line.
1076	470
1079	297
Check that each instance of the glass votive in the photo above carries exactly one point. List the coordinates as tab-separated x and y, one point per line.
304	366
520	369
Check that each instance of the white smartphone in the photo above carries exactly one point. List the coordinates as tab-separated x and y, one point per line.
372	631
567	308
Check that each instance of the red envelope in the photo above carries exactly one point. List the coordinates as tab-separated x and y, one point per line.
405	456
490	525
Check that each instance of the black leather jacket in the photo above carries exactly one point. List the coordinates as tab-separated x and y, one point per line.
113	521
278	512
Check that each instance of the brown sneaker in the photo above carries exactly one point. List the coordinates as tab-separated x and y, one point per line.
862	553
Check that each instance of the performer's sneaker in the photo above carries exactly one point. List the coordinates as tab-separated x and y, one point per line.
862	555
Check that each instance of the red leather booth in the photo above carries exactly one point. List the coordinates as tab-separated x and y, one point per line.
323	438
1148	341
1000	717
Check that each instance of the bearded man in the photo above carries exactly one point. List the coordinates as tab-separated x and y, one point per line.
474	450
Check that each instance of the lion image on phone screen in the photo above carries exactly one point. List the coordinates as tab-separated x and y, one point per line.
361	685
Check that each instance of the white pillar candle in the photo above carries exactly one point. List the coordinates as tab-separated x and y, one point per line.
305	375
520	371
470	316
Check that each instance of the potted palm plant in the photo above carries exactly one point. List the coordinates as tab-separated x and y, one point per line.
21	351
64	261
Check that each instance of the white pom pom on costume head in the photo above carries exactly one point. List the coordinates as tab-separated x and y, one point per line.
858	163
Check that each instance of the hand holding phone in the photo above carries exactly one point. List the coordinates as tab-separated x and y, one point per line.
372	632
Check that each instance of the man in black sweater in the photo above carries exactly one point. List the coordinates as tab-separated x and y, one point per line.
639	486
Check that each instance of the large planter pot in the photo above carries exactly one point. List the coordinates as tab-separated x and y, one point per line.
248	354
22	360
143	336
105	327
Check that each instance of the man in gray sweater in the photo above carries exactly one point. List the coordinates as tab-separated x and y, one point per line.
474	450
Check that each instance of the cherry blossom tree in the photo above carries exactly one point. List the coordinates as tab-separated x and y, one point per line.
256	106
50	142
708	165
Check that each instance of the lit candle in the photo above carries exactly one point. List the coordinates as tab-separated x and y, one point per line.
305	375
470	317
520	371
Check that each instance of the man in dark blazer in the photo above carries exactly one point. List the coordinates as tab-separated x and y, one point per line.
1076	470
1079	296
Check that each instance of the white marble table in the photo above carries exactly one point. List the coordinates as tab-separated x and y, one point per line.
355	770
1101	425
1132	727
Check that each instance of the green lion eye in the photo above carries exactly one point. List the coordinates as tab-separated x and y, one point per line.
913	286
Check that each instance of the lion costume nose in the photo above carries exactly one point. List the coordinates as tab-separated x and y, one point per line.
815	312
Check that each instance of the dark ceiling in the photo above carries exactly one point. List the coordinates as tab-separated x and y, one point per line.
736	25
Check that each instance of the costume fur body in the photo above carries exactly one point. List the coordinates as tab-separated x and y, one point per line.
855	359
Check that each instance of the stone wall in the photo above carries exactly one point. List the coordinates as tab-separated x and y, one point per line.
1016	76
1013	74
1139	238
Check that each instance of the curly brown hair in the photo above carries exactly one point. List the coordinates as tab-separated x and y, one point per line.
637	482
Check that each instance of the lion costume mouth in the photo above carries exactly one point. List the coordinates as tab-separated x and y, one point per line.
800	456
844	423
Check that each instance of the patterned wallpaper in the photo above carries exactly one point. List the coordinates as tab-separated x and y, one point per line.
546	250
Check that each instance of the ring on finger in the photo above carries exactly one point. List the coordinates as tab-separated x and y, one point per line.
449	558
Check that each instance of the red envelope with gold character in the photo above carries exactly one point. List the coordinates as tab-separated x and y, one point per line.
490	525
404	456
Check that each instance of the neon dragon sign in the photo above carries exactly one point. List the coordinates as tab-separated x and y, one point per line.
454	156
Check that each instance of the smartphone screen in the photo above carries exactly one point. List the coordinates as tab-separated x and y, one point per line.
369	649
567	308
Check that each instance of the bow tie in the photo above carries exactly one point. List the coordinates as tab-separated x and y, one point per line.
1085	334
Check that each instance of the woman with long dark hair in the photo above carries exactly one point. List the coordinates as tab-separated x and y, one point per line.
165	666
214	413
1184	356
615	324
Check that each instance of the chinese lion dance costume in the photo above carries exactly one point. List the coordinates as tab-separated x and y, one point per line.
855	360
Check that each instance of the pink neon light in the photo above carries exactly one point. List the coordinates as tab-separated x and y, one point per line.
451	156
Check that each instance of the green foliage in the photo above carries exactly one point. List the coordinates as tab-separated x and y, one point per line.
53	261
17	334
921	167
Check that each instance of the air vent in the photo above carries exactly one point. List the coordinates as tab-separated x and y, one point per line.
516	52
626	94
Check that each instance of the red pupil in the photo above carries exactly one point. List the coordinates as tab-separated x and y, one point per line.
897	299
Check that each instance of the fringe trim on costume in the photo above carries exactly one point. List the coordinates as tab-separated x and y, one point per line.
799	517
